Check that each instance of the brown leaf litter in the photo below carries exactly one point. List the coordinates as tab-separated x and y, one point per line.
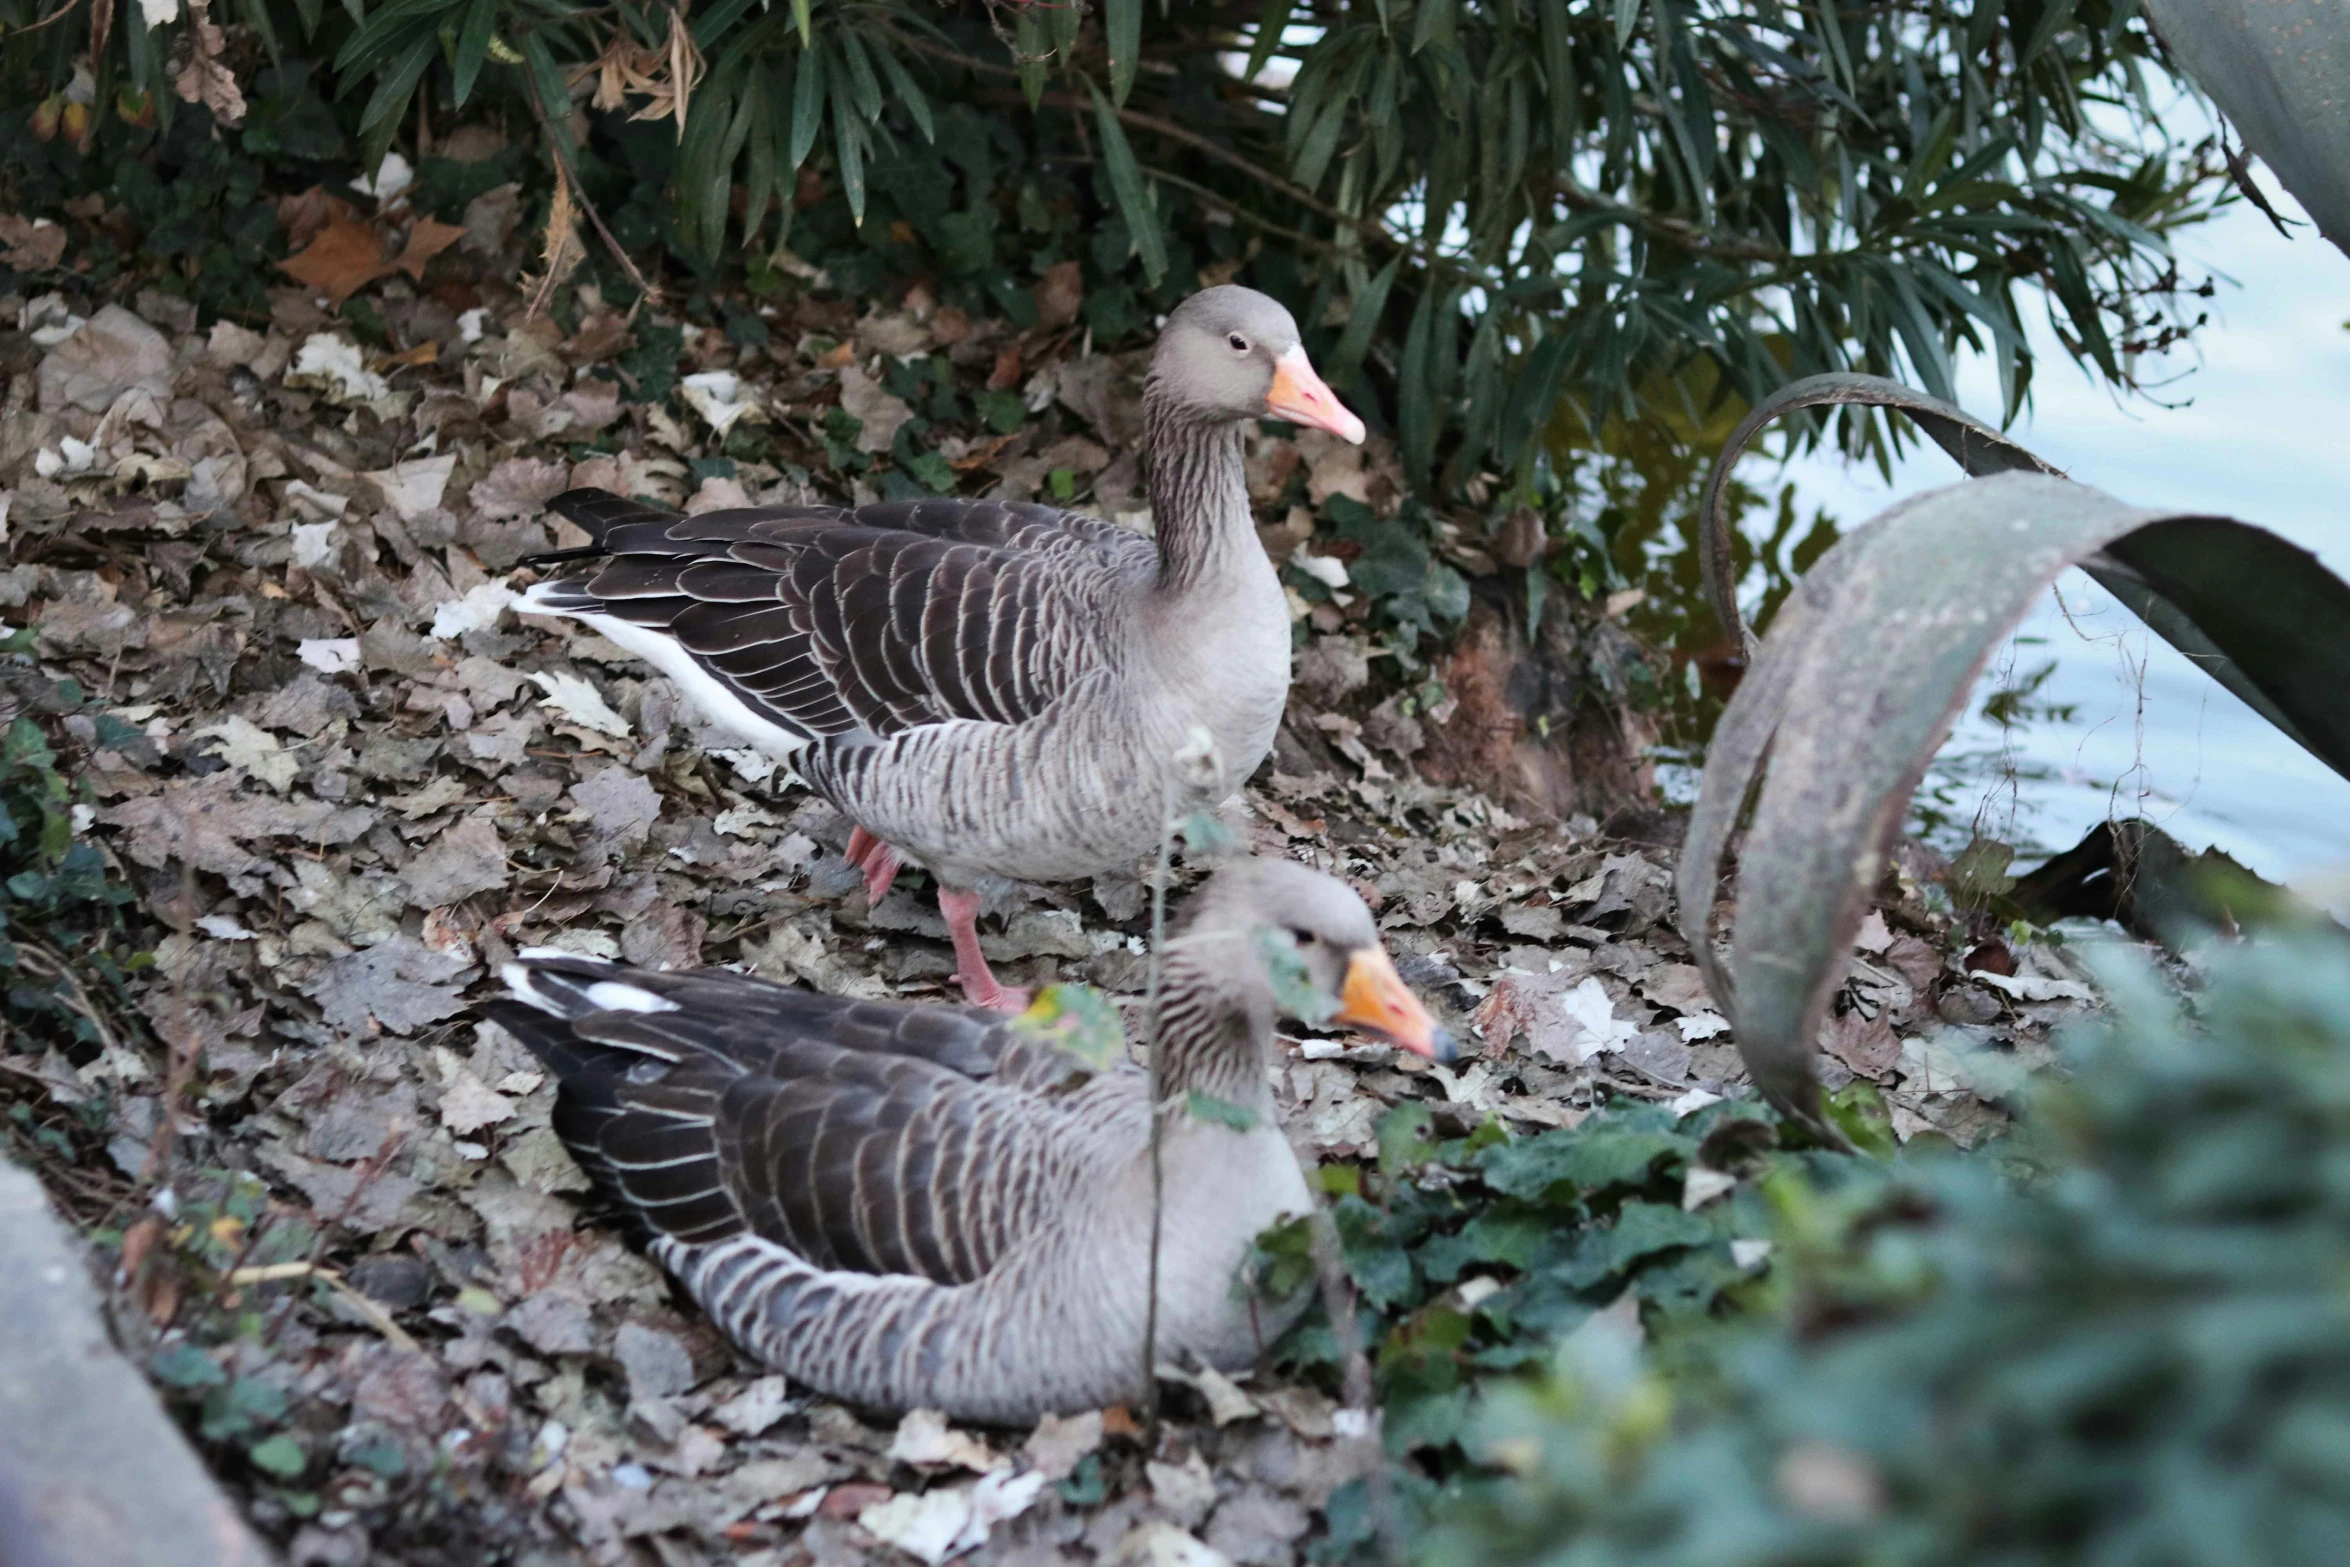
330	757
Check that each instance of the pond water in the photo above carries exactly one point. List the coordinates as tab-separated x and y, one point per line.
2102	717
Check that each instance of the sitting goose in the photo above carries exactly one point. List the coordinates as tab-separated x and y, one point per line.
989	687
912	1206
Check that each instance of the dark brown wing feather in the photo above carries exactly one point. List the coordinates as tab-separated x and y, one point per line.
872	1136
883	618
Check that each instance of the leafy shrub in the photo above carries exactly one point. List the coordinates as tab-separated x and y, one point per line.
1504	219
63	942
2124	1339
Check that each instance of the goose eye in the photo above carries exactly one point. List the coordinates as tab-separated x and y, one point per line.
1302	936
1239	343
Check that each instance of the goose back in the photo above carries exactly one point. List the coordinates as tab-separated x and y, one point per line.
903	1204
830	622
992	688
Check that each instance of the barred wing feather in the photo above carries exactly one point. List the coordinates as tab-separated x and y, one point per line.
864	1136
882	619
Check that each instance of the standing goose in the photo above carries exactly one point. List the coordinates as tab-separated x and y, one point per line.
929	1206
989	687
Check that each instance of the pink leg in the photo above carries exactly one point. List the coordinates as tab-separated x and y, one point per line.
979	983
876	859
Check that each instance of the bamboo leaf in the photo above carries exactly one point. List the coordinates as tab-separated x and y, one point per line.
848	145
911	95
1271	24
473	47
1122	21
759	180
388	104
1627	17
1126	184
807	105
715	23
802	20
1432	19
864	89
1362	321
554	96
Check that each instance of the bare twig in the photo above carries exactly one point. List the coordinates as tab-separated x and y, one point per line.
181	1040
1338	1303
1150	1025
644	290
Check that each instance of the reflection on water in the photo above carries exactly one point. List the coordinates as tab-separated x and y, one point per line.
2083	714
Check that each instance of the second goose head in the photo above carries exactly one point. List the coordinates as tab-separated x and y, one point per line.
1231	963
1230	353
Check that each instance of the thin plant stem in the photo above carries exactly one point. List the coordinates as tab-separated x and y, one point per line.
1338	1303
644	289
1150	1025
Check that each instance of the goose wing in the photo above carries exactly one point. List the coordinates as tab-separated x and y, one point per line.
867	1136
883	618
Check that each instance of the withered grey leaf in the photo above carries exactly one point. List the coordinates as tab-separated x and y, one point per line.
361	1196
657	1363
519	487
399	985
621	804
206	822
554	1322
466	859
112	352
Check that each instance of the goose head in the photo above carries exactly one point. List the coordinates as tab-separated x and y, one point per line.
1230	353
1255	914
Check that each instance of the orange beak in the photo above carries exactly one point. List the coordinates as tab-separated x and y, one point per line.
1299	396
1376	998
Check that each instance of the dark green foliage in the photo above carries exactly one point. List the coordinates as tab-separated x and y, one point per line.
63	945
2120	1337
1564	1223
1490	210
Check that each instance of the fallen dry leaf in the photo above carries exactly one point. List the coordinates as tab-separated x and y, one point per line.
1060	294
206	78
427	238
32	246
346	256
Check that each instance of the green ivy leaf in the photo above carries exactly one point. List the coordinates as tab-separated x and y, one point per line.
1077	1019
1220	1112
280	1455
1294	990
184	1365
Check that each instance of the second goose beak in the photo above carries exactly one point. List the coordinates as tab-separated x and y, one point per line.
1300	397
1376	998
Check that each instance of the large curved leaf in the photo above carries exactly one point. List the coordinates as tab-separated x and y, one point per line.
2281	70
1975	446
1869	663
1981	450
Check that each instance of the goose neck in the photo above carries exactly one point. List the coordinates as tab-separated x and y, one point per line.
1215	1027
1199	498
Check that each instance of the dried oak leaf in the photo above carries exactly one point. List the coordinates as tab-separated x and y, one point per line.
1059	294
399	985
518	487
302	216
206	78
206	823
32	245
621	804
461	862
427	238
346	256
